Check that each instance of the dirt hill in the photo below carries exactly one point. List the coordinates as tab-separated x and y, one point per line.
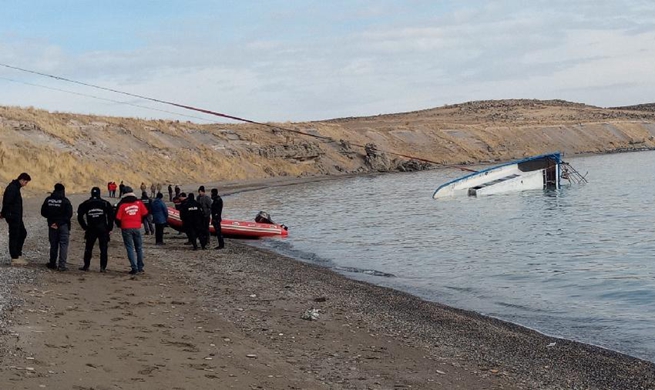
81	151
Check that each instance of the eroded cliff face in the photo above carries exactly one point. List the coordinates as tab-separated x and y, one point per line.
82	151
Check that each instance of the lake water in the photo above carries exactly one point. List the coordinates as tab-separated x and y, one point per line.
576	263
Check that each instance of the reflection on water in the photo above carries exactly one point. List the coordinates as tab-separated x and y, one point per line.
574	263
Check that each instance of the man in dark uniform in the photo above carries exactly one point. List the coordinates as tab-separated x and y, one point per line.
96	216
12	212
57	209
192	219
206	205
217	211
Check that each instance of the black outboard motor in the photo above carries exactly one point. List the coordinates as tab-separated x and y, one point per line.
263	217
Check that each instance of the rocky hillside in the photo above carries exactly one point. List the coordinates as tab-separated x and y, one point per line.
82	151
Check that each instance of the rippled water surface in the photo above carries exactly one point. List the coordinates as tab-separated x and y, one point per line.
577	263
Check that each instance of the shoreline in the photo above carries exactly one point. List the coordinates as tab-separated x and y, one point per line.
366	336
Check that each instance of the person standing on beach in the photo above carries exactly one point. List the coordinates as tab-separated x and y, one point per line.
143	187
192	219
128	217
160	217
12	212
153	188
96	216
177	190
170	193
57	209
147	220
158	188
217	212
206	204
121	189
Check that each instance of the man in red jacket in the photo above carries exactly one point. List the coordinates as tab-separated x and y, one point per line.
129	215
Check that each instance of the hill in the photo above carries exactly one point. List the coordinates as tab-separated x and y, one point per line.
81	150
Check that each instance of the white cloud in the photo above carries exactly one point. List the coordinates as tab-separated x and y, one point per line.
595	52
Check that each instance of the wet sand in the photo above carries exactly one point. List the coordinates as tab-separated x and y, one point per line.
233	319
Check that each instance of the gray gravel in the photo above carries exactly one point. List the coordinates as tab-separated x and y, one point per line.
526	358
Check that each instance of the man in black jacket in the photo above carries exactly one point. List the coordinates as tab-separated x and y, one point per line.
12	212
57	209
192	219
96	216
217	211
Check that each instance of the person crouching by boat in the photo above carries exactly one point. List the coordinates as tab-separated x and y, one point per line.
192	219
96	217
160	217
217	211
129	215
57	209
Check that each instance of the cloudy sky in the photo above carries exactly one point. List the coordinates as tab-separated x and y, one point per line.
275	60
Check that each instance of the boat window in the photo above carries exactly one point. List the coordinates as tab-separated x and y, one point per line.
535	165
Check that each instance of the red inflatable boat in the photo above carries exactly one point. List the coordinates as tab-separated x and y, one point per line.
234	229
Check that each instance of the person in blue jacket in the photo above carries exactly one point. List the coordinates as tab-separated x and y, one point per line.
160	217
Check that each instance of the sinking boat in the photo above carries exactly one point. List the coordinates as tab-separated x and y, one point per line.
546	171
236	229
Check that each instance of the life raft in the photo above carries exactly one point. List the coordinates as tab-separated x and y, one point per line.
233	228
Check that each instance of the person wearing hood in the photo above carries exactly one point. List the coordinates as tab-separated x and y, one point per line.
57	209
193	219
96	216
129	215
160	217
12	212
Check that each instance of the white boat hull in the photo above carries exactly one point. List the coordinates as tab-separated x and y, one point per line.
528	174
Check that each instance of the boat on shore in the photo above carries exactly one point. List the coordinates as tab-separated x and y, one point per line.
545	171
233	228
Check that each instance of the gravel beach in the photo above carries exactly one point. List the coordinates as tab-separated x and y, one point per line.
247	318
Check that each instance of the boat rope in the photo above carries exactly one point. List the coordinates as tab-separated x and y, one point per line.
101	98
211	112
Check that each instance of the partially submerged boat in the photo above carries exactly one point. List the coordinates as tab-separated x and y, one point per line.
544	171
237	229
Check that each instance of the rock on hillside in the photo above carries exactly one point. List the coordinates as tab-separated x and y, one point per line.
82	150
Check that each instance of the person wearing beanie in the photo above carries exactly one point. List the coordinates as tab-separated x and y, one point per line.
160	217
12	212
129	217
192	219
96	217
217	217
57	209
206	204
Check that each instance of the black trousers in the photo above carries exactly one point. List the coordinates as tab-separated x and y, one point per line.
90	237
203	232
17	235
192	234
219	235
159	233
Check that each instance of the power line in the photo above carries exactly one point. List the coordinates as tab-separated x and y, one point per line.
101	98
210	112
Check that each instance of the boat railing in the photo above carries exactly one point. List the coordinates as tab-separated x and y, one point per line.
571	174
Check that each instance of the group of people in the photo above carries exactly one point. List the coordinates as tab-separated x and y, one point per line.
97	218
196	215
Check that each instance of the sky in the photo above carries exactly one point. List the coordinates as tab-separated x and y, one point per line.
302	60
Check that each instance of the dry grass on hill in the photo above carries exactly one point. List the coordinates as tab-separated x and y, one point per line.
85	150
